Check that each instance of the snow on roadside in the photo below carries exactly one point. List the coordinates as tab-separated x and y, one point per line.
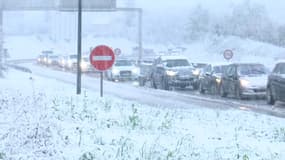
43	119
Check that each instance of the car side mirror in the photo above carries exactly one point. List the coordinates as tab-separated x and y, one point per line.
231	76
159	65
207	73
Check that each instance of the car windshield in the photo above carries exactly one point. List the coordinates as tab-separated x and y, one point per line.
123	63
177	63
199	65
53	57
251	69
282	68
219	69
47	52
86	59
73	56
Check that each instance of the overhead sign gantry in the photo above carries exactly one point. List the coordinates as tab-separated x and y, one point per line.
56	4
67	5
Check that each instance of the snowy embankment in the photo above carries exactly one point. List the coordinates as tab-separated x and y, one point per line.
43	119
211	50
208	50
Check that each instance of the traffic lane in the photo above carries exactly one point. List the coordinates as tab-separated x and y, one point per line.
254	105
155	97
189	96
126	91
191	91
249	101
257	104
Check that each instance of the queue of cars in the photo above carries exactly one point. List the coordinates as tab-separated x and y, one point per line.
238	80
245	80
66	62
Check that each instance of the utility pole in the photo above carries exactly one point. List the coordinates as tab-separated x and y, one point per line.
79	37
1	38
140	36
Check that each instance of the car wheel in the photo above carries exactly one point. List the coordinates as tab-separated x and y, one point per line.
269	97
223	93
182	86
238	93
152	83
165	84
195	86
201	89
141	81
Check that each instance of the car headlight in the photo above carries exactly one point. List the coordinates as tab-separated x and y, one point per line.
244	83
115	71
69	63
196	72
171	73
84	65
218	80
135	71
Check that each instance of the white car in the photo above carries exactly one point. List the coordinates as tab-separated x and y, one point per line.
71	62
86	65
123	69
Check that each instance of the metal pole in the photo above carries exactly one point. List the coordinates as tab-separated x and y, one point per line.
140	36
79	37
1	38
101	83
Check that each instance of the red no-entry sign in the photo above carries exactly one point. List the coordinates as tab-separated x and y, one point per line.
228	54
102	57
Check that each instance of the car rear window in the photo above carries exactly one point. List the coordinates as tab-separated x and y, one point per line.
123	63
177	63
250	69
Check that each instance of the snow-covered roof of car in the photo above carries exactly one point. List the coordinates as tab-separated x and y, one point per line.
163	58
280	61
220	63
246	63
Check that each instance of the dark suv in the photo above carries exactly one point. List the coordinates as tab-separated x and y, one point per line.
210	78
171	71
276	84
244	80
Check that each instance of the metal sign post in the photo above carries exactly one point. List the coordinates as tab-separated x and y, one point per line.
1	39
101	84
79	37
102	58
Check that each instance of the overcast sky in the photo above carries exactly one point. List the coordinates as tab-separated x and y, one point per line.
275	8
180	9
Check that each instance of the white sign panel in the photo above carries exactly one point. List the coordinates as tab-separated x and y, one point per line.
56	4
88	4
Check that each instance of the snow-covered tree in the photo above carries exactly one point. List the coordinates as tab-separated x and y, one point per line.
198	23
249	20
281	35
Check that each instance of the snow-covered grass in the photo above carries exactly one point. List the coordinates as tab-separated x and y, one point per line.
44	119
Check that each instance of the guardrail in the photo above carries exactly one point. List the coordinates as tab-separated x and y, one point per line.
17	61
20	68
